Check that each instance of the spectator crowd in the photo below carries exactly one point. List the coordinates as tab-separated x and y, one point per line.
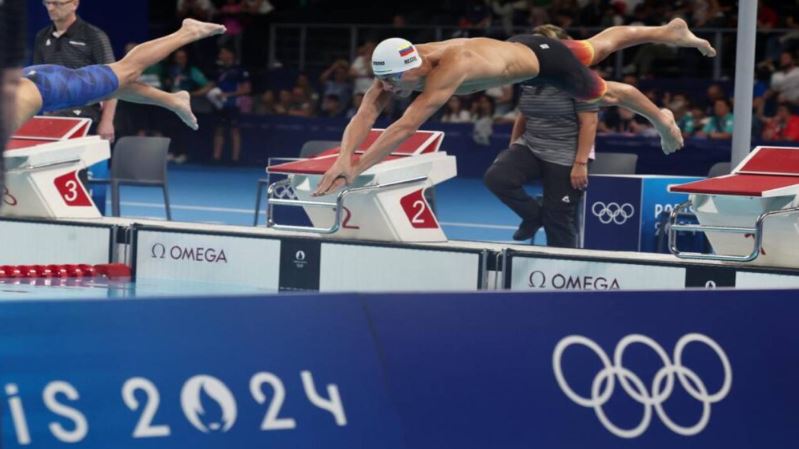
217	74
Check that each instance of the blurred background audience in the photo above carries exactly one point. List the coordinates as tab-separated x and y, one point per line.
323	69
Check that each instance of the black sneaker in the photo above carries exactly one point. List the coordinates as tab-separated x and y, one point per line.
526	231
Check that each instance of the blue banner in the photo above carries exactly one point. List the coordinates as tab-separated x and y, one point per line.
655	201
613	213
688	369
99	191
282	136
205	373
507	370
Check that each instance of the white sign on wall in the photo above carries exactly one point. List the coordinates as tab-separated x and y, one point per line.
184	256
560	274
753	279
45	243
390	269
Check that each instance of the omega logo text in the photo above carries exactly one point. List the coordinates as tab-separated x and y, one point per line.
539	279
198	254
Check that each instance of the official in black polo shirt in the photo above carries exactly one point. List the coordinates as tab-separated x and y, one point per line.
12	56
74	43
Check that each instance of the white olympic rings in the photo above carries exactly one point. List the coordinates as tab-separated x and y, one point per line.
662	384
613	212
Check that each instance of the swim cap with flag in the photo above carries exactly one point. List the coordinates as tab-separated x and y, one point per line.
395	55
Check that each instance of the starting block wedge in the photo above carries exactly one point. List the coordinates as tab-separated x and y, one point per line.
42	160
751	215
386	202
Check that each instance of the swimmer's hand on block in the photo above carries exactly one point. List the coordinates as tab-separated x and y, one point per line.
340	174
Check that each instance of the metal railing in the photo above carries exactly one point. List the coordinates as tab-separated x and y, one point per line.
756	232
289	43
338	205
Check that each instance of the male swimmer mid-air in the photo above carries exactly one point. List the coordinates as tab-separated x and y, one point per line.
440	70
46	88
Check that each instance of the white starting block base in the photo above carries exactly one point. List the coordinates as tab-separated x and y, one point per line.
780	246
399	214
386	203
763	188
42	161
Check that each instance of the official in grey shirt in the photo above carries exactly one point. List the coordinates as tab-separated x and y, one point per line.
552	138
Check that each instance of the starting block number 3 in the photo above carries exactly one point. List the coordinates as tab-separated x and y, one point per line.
72	190
418	211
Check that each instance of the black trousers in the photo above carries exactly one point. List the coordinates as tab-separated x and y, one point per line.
517	166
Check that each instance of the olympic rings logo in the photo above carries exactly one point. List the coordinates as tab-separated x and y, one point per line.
284	192
613	212
8	198
604	383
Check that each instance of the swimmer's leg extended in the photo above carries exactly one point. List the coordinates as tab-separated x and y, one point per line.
178	102
618	38
627	96
129	68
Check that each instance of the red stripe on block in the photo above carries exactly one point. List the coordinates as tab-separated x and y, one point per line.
781	161
316	166
742	185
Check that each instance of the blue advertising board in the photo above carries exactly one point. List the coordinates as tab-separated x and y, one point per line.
656	200
689	369
621	212
203	373
613	213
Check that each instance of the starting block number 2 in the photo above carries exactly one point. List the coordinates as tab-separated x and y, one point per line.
418	211
71	190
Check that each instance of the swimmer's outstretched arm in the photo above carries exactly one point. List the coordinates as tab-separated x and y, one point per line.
374	101
422	108
439	87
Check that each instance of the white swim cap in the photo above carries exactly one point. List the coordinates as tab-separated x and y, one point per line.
395	55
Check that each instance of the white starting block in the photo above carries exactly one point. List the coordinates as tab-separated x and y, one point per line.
751	215
386	202
42	161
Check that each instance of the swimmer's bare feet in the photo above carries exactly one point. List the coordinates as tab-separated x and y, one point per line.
683	37
201	30
181	105
671	138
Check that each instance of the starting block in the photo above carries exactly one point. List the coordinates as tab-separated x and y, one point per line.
751	215
42	161
386	202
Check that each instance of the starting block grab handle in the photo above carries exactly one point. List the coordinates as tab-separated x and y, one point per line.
337	206
756	231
